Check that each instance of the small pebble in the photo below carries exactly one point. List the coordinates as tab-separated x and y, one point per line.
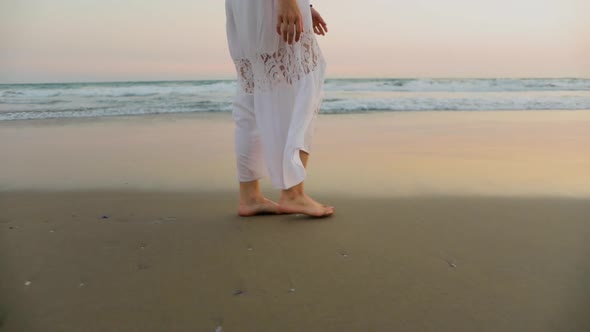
238	292
291	290
250	249
105	217
81	284
451	263
27	283
51	230
219	329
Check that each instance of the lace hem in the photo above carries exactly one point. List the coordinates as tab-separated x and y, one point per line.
245	75
287	65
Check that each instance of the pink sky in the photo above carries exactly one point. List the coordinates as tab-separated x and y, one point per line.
108	40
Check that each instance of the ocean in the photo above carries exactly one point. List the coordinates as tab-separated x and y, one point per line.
74	100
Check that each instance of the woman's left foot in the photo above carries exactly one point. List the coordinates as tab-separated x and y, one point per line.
261	206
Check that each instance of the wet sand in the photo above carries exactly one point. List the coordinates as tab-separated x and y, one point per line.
154	261
377	154
452	221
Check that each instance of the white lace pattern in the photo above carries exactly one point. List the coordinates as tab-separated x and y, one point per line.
285	66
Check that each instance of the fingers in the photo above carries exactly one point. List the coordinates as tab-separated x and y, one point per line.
291	32
279	22
319	29
299	30
285	31
319	25
290	28
315	29
324	26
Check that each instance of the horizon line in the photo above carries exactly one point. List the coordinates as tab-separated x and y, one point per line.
327	78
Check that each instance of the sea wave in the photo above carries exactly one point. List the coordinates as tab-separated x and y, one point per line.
459	85
62	100
440	104
98	90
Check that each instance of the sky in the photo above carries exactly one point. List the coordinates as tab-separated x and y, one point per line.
129	40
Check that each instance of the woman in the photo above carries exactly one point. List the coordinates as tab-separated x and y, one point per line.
280	71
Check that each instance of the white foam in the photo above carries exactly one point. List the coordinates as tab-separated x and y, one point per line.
35	101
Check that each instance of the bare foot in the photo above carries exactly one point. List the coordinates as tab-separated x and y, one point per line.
260	206
305	205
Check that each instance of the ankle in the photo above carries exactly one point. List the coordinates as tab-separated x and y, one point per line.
251	198
292	193
250	192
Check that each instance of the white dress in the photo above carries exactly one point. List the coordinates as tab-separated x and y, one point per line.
280	90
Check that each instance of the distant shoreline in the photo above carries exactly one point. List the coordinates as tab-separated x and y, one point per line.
363	78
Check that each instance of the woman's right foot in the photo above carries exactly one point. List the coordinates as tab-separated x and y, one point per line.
305	205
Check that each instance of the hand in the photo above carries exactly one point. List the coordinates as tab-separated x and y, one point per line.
319	25
289	21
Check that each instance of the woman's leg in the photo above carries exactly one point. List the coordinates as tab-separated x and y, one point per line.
295	200
253	202
249	159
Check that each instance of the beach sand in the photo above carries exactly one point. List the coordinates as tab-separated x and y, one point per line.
445	221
